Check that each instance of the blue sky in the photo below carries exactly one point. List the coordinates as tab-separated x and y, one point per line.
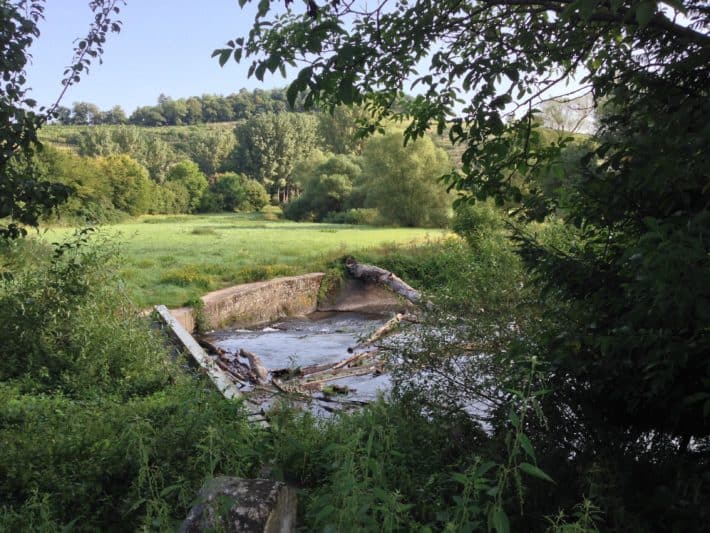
164	47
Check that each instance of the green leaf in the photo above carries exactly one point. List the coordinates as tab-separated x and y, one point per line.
224	56
645	12
514	419
459	477
527	446
484	468
498	520
264	6
534	471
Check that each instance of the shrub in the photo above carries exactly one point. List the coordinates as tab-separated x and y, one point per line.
299	209
129	182
67	328
359	216
255	196
231	191
474	221
127	436
186	276
187	174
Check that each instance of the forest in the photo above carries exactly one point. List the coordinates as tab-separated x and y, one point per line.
560	376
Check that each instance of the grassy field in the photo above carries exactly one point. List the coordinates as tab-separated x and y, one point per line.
173	259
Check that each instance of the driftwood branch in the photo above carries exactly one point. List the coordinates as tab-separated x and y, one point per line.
257	367
376	274
353	359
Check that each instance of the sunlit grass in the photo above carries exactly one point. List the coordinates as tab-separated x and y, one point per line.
173	259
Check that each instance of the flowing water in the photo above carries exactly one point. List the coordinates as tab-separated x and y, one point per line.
318	339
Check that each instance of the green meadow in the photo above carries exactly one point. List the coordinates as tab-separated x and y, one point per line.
173	259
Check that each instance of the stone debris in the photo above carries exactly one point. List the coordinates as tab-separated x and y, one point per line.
236	505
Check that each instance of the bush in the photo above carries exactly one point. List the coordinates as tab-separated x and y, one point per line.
255	196
234	192
68	330
361	216
299	210
129	183
128	436
474	221
188	174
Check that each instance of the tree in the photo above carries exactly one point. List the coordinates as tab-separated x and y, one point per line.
147	116
86	113
340	129
157	156
211	148
402	181
116	115
97	141
174	111
567	116
129	183
193	114
255	196
24	197
63	115
269	146
327	184
228	191
188	174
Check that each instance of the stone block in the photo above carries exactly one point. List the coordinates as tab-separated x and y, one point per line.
234	505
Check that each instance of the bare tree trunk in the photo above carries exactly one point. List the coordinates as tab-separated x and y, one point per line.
385	277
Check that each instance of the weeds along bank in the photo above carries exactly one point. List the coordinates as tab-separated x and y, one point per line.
100	428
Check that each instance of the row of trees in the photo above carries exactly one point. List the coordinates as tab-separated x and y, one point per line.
210	148
182	111
113	186
283	152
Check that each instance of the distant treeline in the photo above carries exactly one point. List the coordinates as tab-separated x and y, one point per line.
182	111
313	164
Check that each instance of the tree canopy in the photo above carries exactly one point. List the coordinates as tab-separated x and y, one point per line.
270	145
401	182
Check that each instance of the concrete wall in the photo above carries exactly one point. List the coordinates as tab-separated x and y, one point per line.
262	302
363	297
252	304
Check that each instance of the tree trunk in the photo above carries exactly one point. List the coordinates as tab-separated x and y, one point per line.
385	277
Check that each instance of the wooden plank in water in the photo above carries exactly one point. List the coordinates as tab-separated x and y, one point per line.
218	376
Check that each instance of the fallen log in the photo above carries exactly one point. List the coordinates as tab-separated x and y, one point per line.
353	359
314	369
211	348
231	371
256	366
391	324
376	274
317	384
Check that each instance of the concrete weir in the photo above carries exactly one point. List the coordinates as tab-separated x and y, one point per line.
263	302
